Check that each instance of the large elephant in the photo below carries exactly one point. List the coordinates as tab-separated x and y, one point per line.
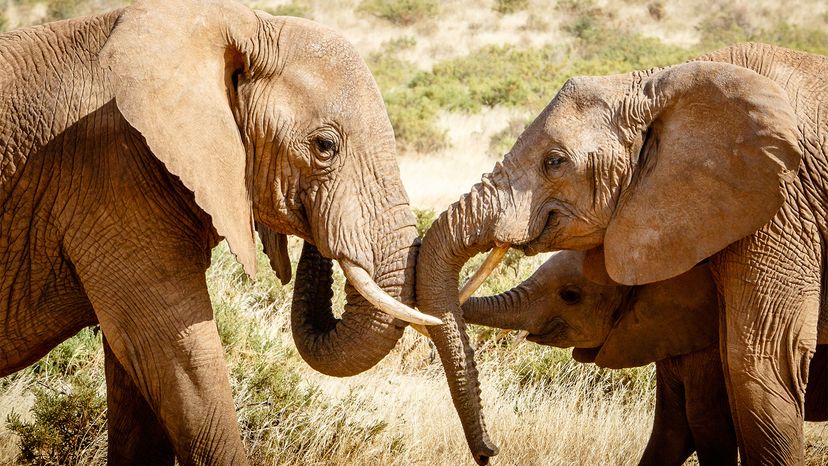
131	143
723	157
673	323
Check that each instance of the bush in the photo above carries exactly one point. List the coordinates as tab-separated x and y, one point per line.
3	22
502	141
296	8
425	217
412	116
510	6
65	426
401	12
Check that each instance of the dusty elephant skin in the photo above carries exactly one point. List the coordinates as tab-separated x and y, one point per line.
673	323
723	157
131	143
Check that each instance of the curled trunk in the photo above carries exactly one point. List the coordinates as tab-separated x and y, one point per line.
464	230
343	346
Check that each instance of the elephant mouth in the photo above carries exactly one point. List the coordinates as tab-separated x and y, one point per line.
552	335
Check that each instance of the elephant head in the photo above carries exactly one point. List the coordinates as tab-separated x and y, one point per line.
277	121
614	326
662	168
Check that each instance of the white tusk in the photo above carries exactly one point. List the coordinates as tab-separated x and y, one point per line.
369	289
483	272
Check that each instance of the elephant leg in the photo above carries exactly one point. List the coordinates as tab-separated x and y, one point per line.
708	412
135	437
670	441
816	396
770	289
158	321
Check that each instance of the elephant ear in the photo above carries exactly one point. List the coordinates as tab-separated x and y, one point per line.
663	319
594	268
719	142
172	66
275	245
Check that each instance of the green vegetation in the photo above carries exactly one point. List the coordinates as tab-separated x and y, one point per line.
502	141
66	426
401	12
425	217
299	8
510	6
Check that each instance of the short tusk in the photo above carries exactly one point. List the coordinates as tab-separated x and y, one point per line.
483	272
421	329
369	289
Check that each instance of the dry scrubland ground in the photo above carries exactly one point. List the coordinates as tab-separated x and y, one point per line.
461	78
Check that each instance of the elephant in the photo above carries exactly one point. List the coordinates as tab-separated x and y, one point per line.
651	172
131	143
673	323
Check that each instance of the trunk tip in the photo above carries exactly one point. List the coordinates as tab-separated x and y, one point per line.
484	452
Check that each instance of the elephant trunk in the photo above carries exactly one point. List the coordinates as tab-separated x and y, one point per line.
505	310
464	230
363	335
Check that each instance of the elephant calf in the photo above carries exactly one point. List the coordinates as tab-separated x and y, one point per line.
673	323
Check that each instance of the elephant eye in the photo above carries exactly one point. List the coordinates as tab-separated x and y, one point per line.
553	162
325	145
570	295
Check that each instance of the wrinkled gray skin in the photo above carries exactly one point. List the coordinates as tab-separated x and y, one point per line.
724	158
673	323
130	144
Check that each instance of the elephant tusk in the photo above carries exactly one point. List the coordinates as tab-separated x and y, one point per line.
483	272
421	329
368	288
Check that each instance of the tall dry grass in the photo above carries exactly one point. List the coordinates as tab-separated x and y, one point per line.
542	408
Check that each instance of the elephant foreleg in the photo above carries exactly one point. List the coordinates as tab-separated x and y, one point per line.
159	325
135	437
670	441
771	295
708	412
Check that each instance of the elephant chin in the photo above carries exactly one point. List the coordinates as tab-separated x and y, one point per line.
343	346
585	355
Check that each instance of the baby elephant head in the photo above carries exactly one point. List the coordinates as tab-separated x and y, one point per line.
612	325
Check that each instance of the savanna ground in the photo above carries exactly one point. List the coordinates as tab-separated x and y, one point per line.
461	79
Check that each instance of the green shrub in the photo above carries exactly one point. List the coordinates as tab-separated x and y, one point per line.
62	9
401	12
510	6
72	355
583	16
493	75
730	25
413	116
502	141
298	8
425	217
806	39
65	425
3	22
